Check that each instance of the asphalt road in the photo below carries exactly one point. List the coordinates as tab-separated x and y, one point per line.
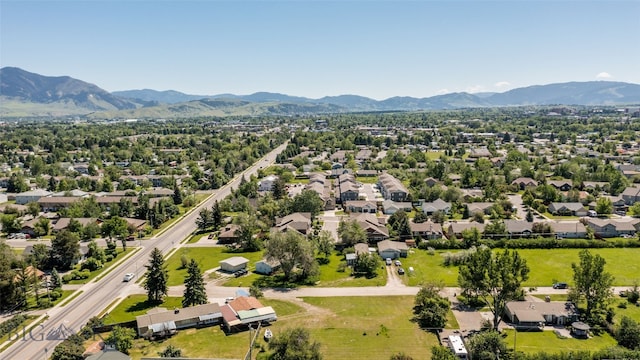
96	296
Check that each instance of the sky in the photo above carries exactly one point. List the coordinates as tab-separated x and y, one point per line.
377	49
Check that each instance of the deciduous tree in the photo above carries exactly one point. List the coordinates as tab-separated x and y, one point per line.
294	344
593	285
496	278
430	309
292	250
65	250
121	338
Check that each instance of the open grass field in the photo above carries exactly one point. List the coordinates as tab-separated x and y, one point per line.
547	266
329	277
631	310
548	341
207	257
135	305
346	327
367	179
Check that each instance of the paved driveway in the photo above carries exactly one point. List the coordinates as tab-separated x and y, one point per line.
331	223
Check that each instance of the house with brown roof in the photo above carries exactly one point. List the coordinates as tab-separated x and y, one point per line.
562	185
63	223
300	222
245	311
456	228
427	230
524	182
229	234
518	228
376	231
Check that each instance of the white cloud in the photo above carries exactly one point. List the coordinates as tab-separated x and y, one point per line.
502	84
442	91
475	89
603	75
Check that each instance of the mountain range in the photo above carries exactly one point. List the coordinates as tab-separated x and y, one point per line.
26	94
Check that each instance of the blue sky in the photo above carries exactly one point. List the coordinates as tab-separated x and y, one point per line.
377	49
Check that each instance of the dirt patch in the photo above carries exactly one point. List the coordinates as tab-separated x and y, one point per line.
314	313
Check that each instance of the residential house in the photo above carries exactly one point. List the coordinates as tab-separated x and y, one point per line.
376	231
390	207
300	222
562	185
361	206
631	195
392	188
392	249
234	264
430	182
526	314
348	191
320	185
63	223
518	228
437	205
56	203
26	197
568	229
267	267
266	183
245	311
228	234
160	322
524	182
427	230
568	209
480	207
456	228
605	228
359	248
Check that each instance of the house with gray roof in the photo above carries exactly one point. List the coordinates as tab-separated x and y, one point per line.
391	188
568	209
437	205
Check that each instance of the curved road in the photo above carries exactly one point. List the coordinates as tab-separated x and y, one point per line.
96	296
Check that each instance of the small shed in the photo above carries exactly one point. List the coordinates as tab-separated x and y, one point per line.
580	329
233	264
267	267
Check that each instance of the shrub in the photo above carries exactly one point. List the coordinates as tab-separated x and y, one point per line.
342	267
66	278
11	324
43	302
55	294
109	258
92	264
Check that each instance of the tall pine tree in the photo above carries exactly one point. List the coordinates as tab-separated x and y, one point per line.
157	276
194	292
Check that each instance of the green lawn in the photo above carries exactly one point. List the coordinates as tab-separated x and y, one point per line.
207	257
547	341
195	238
546	266
367	179
105	267
353	327
559	217
365	328
632	310
134	305
330	277
33	305
434	155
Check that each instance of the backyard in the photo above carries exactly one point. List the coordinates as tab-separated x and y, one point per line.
548	341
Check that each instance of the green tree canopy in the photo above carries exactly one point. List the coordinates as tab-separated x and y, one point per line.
157	277
194	292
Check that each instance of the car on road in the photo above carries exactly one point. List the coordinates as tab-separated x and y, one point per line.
128	277
401	271
398	263
560	285
388	261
